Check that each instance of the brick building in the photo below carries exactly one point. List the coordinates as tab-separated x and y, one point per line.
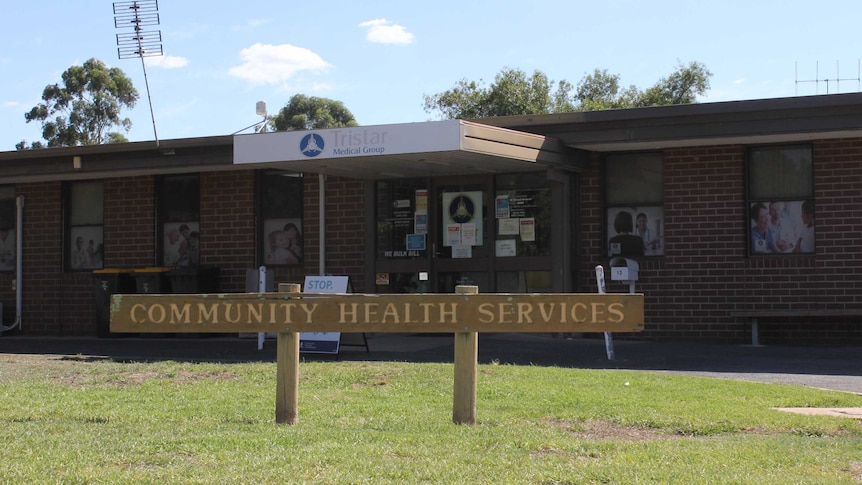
715	202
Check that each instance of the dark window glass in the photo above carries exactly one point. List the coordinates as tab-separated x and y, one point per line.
781	200
84	249
281	195
179	220
8	249
634	210
402	218
522	208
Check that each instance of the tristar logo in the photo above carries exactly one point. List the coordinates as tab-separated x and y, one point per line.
311	145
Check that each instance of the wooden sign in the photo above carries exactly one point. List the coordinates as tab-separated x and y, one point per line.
299	312
465	314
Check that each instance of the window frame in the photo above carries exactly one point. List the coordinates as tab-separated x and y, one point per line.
90	255
792	205
618	215
274	222
185	223
8	222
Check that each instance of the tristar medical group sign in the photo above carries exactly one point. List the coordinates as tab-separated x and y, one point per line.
348	142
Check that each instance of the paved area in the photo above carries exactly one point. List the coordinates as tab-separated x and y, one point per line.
837	368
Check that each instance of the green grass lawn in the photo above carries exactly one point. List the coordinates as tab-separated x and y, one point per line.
78	420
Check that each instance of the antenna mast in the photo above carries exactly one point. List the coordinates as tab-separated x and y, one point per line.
837	79
139	43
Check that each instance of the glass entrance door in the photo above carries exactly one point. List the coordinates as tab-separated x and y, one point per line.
463	237
493	231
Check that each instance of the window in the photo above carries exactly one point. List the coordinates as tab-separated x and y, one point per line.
634	204
179	220
281	213
780	200
402	219
8	249
84	248
522	207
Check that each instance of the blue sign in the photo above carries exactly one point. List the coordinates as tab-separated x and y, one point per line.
311	145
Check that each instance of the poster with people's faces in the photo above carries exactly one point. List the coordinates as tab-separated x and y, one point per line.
781	227
182	244
282	245
87	250
8	250
635	231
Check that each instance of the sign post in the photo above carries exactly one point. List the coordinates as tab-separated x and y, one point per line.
464	314
466	369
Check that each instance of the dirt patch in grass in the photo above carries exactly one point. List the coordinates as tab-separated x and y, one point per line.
606	430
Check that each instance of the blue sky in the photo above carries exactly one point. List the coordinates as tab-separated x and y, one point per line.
380	57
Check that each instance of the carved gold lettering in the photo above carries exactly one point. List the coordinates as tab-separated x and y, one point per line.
207	313
582	307
308	308
546	310
452	313
525	311
486	312
273	308
598	310
390	312
180	315
135	308
227	313
426	312
371	312
616	310
255	312
346	316
157	310
505	311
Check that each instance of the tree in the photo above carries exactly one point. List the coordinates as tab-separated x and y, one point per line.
310	113
84	109
514	93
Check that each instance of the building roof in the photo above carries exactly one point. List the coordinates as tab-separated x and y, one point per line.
502	144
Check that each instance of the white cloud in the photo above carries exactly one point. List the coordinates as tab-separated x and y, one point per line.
382	31
167	62
274	64
10	104
739	81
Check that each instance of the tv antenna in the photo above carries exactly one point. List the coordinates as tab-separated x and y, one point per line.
836	80
140	43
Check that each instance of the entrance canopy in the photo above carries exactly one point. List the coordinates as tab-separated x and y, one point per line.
452	147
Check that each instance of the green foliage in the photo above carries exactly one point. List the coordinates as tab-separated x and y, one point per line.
68	420
85	108
513	92
311	113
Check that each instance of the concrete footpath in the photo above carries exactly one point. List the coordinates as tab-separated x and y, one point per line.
837	368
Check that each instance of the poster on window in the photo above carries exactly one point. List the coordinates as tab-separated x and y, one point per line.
283	244
7	249
782	227
460	209
182	244
87	251
635	231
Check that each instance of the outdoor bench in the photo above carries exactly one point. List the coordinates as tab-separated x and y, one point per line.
752	316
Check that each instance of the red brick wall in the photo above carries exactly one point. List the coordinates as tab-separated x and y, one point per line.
706	273
63	303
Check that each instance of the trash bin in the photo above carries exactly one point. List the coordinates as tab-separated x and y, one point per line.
109	281
152	280
194	279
